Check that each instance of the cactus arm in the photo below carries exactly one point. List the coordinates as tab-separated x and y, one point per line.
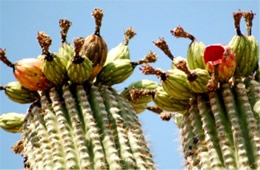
64	127
45	144
239	140
197	129
121	131
137	141
223	130
189	148
55	139
250	128
211	139
92	130
98	107
77	127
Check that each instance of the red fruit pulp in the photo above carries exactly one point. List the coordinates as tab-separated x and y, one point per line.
223	56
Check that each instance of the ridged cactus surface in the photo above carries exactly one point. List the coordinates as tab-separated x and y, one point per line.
77	127
220	130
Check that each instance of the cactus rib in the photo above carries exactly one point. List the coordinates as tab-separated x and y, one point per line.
212	141
196	124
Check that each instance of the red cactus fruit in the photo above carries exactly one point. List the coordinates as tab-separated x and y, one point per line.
28	72
222	56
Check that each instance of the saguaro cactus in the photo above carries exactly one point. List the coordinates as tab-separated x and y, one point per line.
84	127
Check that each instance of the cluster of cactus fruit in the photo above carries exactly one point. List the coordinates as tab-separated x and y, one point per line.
78	121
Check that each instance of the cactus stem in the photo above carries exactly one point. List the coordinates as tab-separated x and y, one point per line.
199	138
129	34
64	27
237	17
4	59
189	148
137	141
179	32
77	126
101	115
92	131
98	15
210	133
147	70
223	130
161	43
64	129
251	130
120	130
249	16
237	128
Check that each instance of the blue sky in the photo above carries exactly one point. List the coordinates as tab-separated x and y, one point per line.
210	21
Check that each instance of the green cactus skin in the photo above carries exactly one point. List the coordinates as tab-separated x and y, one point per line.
189	147
250	123
84	127
211	139
253	93
117	121
196	124
137	141
234	118
92	131
225	127
223	130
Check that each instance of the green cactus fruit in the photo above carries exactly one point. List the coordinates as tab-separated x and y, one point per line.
199	85
116	72
121	51
140	85
245	47
197	79
195	55
84	127
251	58
195	51
12	122
176	85
95	47
17	93
54	66
166	102
174	81
252	50
220	59
119	70
79	67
